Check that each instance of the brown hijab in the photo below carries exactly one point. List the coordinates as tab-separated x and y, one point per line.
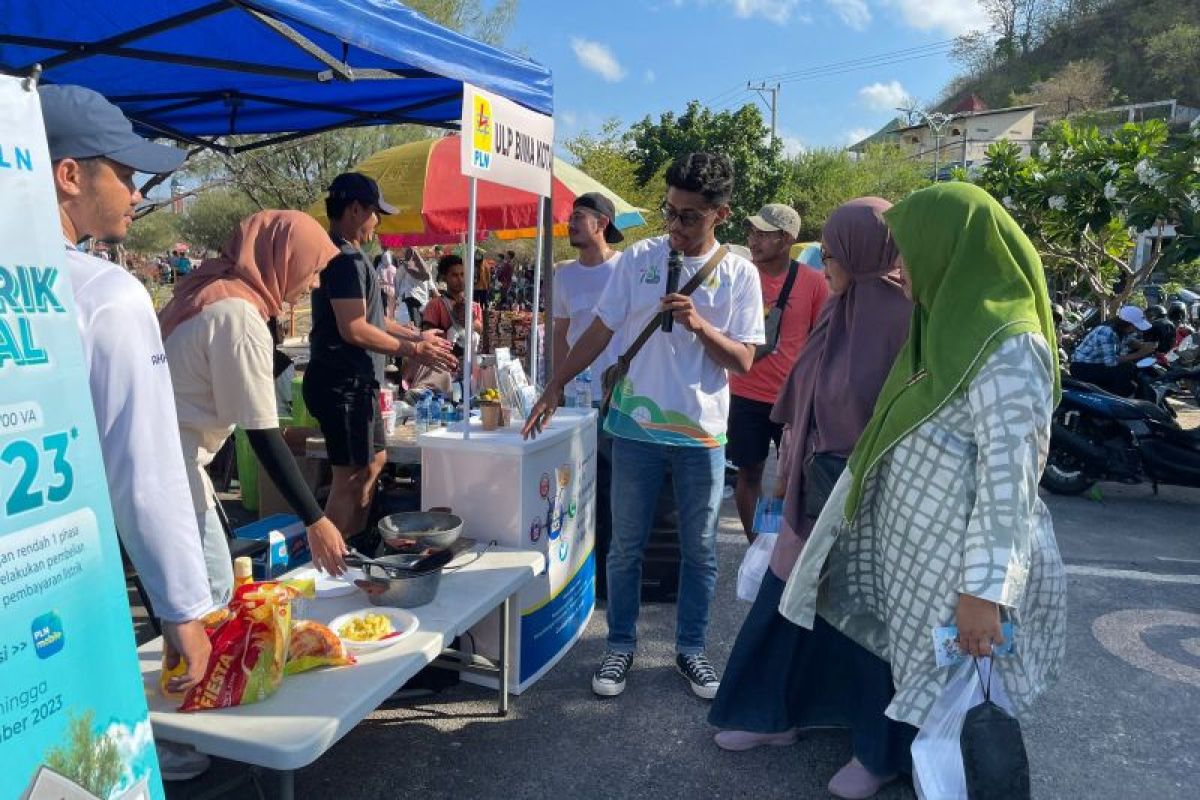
271	259
830	394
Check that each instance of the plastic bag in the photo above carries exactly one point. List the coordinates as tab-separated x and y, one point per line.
314	645
249	650
937	751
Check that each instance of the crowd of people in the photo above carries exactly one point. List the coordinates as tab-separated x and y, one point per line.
907	386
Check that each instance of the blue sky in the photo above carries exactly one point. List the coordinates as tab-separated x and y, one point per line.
626	59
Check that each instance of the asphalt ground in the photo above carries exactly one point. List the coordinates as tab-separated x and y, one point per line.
1120	723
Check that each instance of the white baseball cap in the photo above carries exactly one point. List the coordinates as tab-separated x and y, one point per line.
1134	316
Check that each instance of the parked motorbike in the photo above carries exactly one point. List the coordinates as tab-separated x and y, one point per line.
1098	436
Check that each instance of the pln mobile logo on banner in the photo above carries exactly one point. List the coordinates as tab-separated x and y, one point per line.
506	143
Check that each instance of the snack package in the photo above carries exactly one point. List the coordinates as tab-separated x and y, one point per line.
314	645
249	650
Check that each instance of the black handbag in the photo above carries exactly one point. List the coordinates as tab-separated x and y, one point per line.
993	751
821	473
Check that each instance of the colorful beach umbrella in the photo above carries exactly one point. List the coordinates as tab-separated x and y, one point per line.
423	181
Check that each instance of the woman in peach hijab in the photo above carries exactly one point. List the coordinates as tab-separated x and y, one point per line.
220	348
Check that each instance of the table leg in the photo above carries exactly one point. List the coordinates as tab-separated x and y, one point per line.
503	660
287	785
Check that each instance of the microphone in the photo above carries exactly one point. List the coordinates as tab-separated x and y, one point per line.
674	266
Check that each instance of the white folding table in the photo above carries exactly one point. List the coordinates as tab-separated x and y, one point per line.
313	710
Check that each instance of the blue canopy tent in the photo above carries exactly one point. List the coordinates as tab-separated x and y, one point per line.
200	70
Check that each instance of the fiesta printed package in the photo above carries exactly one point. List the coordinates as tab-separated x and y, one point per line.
250	649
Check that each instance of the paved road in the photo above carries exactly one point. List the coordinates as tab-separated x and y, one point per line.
1120	723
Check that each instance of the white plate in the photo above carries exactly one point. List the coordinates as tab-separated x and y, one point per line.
328	585
403	621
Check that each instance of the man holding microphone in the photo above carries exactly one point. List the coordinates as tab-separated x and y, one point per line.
671	405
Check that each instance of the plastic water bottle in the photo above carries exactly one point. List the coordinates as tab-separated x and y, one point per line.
424	406
447	414
583	389
435	412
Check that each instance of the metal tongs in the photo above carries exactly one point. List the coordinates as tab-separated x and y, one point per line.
424	564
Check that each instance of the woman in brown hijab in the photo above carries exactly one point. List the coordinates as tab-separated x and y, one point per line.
767	690
220	348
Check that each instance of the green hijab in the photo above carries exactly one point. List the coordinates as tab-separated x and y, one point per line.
976	281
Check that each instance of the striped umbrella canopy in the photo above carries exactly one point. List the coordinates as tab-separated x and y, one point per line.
423	181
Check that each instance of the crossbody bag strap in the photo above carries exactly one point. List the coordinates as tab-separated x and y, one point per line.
786	291
689	287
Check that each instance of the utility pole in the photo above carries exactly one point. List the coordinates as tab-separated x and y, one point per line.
774	101
936	122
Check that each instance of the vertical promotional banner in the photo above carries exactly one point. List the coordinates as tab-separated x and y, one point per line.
506	143
73	719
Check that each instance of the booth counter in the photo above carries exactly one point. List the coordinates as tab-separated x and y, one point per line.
536	495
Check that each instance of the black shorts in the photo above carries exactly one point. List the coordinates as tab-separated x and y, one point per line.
347	410
751	431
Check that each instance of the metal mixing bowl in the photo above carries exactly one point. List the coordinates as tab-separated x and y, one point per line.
400	590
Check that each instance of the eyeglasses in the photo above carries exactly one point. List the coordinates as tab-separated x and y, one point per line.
825	255
687	218
753	232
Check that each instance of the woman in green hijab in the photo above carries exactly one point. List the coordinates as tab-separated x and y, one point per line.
937	521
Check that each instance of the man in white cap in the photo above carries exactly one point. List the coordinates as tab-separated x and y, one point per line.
1102	358
95	155
792	300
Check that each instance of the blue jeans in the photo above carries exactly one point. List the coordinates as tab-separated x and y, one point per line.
216	556
637	474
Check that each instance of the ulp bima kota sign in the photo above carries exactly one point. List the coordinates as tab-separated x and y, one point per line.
506	143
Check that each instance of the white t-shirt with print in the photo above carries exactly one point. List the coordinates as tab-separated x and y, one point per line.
577	289
222	367
675	393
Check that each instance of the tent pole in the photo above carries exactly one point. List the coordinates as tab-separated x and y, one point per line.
537	295
469	350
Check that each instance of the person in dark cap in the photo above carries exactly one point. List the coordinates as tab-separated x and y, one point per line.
350	341
94	155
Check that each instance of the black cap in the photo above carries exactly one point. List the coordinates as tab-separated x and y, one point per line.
597	202
81	123
363	188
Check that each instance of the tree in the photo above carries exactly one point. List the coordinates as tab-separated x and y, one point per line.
821	180
91	760
1174	56
295	174
1078	86
1083	196
153	233
608	157
759	168
213	216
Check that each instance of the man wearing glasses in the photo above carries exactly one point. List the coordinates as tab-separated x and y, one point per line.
792	300
671	408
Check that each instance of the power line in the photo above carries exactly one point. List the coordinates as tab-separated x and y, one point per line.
829	73
933	48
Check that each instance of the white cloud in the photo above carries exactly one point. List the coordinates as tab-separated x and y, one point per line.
883	96
777	11
792	145
568	118
132	746
855	13
951	17
856	135
649	77
597	58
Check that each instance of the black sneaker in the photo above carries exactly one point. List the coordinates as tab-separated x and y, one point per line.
700	674
609	680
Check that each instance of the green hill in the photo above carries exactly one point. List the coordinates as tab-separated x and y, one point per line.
1121	51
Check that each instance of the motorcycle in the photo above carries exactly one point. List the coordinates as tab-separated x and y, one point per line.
1098	436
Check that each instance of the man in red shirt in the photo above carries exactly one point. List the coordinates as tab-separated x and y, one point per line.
792	298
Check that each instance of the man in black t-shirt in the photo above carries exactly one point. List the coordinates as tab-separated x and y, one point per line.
350	342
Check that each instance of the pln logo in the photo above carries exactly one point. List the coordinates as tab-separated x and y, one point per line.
47	631
481	132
